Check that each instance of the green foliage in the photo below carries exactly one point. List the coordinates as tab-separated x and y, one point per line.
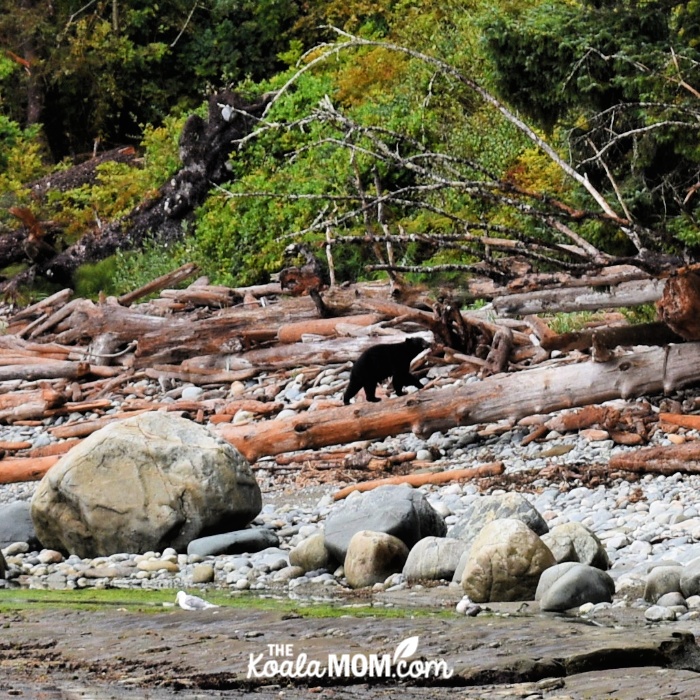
20	162
241	38
118	187
131	269
149	600
96	73
636	315
91	279
572	322
579	320
563	64
551	56
597	69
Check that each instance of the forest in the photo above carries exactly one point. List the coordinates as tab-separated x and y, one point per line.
437	142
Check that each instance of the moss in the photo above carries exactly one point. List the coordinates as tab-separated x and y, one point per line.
154	601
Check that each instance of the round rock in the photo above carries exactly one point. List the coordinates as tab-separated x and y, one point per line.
662	580
16	525
203	573
145	483
311	553
486	509
571	584
250	540
690	578
575	542
433	558
372	557
505	563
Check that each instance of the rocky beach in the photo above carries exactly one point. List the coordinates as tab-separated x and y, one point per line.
643	524
640	522
526	528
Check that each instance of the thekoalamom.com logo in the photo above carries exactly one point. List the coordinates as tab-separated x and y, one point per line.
280	661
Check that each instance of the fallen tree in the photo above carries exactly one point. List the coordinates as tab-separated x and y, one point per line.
666	459
512	397
205	146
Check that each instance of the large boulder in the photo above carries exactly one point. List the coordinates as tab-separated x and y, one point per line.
575	542
433	558
311	553
661	581
571	584
145	483
483	510
253	539
505	563
401	511
690	578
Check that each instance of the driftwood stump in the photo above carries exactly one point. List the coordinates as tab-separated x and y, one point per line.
679	306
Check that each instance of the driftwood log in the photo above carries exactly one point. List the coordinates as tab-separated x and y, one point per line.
679	307
492	469
541	390
667	459
589	298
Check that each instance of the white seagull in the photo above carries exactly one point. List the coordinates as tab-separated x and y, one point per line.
192	602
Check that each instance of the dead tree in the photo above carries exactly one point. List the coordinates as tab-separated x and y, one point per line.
204	151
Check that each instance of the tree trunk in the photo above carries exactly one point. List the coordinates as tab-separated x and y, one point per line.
293	332
513	397
591	298
204	151
25	468
491	469
667	459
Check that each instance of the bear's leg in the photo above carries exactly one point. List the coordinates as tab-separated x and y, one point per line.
350	392
370	388
412	380
407	379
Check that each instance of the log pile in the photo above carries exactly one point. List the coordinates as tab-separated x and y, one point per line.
95	362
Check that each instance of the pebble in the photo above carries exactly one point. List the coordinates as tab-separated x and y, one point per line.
659	613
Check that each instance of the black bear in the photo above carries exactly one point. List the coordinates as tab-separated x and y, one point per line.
381	361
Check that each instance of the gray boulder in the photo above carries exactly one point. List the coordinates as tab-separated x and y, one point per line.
575	542
270	559
238	542
396	510
433	558
505	563
572	584
659	613
145	483
496	507
690	578
662	580
16	525
461	564
372	557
